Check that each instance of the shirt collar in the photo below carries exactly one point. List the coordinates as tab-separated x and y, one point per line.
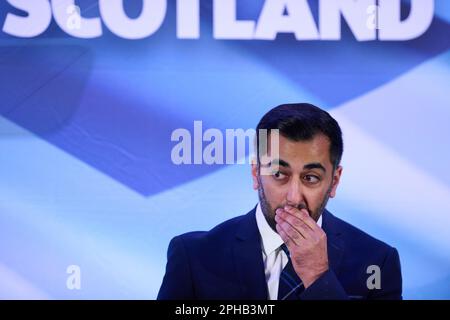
271	240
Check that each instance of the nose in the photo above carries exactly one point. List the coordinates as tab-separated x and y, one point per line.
295	195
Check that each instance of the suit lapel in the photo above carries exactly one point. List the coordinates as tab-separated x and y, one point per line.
248	259
335	244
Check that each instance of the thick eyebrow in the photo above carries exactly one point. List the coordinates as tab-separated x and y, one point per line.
278	162
309	166
314	165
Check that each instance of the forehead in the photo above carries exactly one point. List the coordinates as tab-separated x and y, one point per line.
299	153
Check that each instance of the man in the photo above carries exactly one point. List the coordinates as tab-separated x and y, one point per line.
289	247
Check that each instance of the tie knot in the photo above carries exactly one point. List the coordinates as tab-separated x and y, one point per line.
285	249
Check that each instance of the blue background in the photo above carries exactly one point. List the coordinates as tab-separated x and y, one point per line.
85	171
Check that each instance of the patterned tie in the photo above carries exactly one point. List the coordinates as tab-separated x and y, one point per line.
290	286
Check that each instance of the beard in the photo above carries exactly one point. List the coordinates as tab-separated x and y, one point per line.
269	212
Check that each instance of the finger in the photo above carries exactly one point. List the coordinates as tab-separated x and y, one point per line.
304	216
295	223
286	239
293	234
283	235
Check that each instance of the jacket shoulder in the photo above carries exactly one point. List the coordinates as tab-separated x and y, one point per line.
358	240
216	237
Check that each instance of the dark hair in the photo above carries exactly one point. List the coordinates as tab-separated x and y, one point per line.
301	122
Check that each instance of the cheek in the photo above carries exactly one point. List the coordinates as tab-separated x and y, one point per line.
275	194
314	198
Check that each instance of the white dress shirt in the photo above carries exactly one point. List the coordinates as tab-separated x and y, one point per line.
274	257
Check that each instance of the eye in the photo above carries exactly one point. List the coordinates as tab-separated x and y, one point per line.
278	175
311	179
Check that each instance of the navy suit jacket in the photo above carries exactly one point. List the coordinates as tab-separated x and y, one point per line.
226	263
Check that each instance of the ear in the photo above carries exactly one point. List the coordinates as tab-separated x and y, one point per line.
255	176
336	179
